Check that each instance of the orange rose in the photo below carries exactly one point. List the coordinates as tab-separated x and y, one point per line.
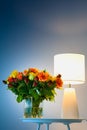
34	70
10	79
20	76
59	82
25	72
43	76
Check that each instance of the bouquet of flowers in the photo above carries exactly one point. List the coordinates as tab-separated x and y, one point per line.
38	84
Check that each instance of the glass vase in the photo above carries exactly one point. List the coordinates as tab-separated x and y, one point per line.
33	109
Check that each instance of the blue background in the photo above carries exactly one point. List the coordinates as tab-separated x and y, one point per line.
31	33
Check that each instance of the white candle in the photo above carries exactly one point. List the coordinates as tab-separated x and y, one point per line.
70	107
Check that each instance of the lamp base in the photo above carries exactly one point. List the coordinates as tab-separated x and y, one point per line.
70	106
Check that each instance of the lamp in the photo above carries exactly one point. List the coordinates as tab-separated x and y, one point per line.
72	68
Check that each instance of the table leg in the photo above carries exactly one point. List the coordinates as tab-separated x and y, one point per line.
38	126
47	126
68	126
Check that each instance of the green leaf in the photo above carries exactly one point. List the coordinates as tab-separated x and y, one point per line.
19	98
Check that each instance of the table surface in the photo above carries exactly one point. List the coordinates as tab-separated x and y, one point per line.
51	120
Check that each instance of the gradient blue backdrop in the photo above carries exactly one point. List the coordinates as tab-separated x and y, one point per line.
31	33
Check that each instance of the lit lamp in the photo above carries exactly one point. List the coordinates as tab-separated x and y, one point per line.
72	68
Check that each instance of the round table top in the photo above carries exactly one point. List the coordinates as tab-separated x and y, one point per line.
51	120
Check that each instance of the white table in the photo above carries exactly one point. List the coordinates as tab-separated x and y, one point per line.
49	121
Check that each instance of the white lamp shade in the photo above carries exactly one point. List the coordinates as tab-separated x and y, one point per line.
71	66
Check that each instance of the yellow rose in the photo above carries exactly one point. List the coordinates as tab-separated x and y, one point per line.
31	76
14	74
